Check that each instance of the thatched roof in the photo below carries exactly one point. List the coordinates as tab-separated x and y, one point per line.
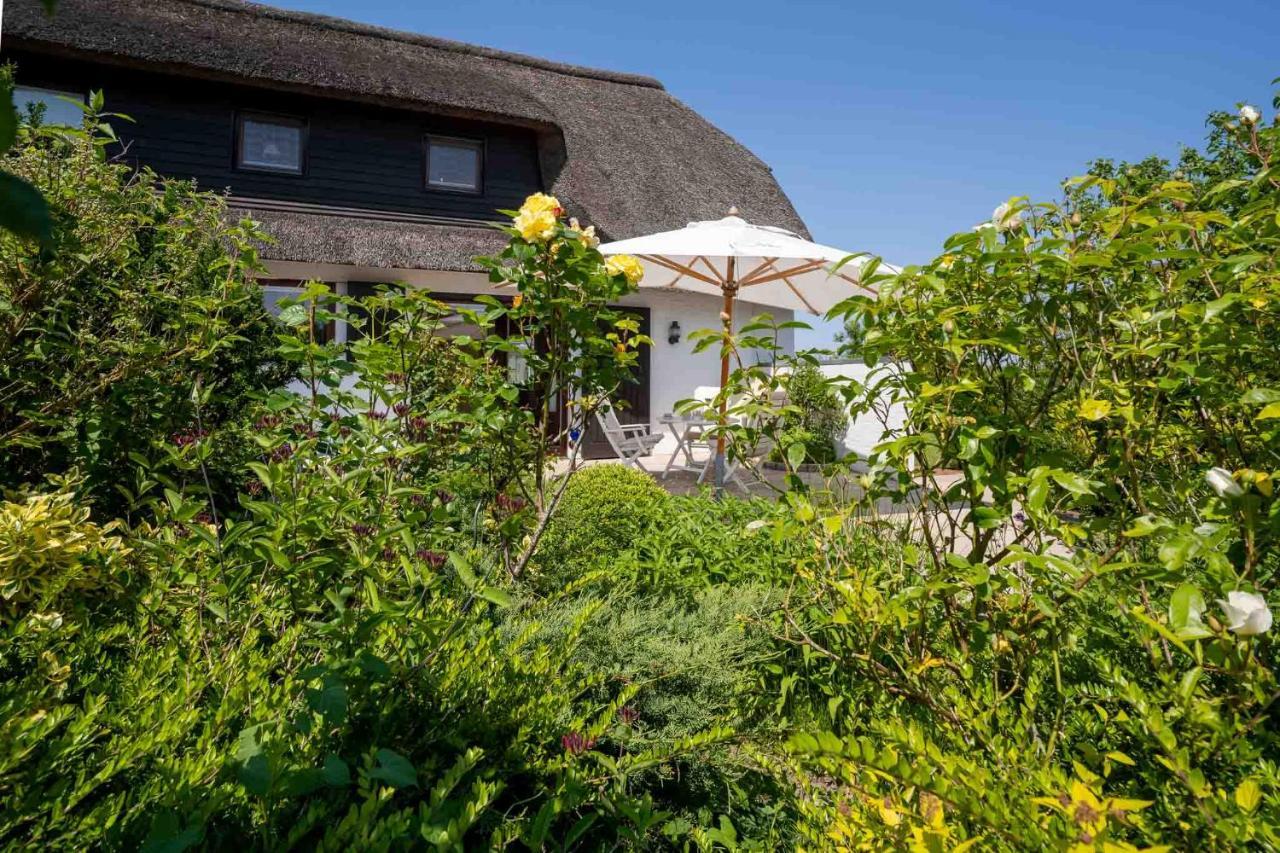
369	242
619	150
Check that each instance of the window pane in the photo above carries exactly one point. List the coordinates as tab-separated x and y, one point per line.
454	165
56	110
266	144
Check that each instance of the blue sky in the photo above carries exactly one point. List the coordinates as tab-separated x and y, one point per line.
893	124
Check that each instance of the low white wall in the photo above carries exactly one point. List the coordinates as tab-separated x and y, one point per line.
675	369
869	428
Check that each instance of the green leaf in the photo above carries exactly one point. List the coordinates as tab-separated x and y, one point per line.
1186	612
463	568
1073	483
294	315
1144	525
579	829
1248	794
394	769
335	772
264	474
497	596
987	518
299	783
1094	410
255	775
1269	412
1037	491
1260	396
796	454
168	836
23	210
329	701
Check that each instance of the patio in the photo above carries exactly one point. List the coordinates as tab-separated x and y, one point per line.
769	484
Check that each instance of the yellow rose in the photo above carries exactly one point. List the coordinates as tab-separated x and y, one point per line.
625	265
536	226
586	236
542	203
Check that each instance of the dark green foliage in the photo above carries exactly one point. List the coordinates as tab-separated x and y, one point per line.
602	512
148	293
693	666
820	418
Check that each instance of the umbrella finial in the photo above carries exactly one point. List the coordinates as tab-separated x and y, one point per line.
733	210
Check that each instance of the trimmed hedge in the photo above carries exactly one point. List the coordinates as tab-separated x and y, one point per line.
604	509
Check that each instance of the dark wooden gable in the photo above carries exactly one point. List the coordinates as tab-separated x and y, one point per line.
358	156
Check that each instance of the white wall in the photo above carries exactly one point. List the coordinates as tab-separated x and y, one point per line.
675	370
868	429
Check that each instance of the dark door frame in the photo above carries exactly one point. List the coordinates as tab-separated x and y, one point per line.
634	399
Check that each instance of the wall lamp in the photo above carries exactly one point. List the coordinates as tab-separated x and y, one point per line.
673	333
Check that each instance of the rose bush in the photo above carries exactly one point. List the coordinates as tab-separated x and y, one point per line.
1033	665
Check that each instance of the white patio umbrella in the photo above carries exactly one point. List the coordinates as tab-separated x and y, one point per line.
734	259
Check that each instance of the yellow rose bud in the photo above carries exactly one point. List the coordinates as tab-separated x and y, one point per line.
517	300
625	265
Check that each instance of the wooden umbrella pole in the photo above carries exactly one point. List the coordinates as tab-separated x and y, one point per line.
730	288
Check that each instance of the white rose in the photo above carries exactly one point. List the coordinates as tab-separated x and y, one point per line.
1221	481
1005	218
1247	614
757	524
1249	114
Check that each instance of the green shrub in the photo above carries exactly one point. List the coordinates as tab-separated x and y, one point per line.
702	542
692	663
49	549
147	291
603	510
1073	648
822	417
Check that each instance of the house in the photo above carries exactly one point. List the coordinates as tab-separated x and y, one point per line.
373	156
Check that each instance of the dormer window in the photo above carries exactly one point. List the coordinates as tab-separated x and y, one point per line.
268	143
455	165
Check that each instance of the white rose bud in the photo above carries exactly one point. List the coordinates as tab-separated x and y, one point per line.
1249	114
1247	614
1221	481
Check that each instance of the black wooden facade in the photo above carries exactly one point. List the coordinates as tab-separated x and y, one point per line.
358	156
